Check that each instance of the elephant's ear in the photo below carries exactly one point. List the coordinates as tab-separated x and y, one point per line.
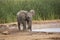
32	12
22	12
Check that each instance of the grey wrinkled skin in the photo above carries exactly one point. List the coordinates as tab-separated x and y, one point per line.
23	17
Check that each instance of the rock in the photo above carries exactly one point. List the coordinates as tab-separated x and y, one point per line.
5	32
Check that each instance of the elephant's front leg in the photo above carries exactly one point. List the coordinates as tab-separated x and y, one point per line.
29	22
24	25
19	26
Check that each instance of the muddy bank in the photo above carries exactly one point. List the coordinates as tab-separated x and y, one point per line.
13	33
12	27
31	36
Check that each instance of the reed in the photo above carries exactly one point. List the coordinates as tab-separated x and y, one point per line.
45	9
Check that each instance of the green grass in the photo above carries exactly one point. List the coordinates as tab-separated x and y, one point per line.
45	9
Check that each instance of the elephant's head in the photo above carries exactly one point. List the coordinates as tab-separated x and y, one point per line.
31	13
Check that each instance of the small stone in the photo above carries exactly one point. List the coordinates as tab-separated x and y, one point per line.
5	32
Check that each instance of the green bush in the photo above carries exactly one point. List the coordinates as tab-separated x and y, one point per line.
45	9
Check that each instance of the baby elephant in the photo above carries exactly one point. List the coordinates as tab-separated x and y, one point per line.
24	17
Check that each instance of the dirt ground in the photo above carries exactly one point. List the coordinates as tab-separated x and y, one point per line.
31	36
17	35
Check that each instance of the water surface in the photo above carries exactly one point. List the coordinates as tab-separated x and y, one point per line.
47	30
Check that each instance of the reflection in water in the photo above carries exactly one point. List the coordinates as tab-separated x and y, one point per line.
47	30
